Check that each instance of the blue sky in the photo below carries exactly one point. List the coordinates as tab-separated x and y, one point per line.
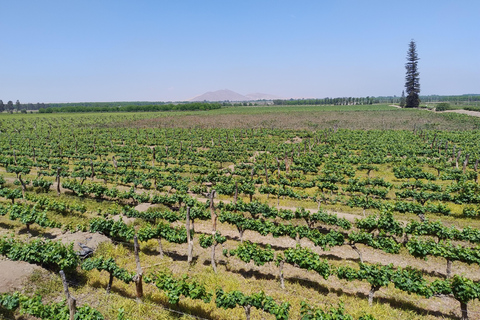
116	50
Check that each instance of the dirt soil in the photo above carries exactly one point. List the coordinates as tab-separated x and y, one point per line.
14	274
142	207
470	113
91	240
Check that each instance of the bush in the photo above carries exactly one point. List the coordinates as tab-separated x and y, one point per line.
442	106
470	212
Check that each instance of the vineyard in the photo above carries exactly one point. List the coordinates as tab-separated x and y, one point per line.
242	221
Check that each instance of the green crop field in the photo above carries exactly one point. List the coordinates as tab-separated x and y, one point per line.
266	212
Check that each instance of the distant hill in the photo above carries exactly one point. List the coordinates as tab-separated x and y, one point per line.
229	95
261	96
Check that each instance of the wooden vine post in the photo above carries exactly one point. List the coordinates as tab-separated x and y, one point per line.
371	293
138	277
475	168
93	170
115	165
266	173
449	269
24	187
458	157
247	309
465	163
153	157
280	269
235	197
58	181
72	303
355	248
189	238
214	228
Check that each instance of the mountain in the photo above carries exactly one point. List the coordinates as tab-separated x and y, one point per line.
261	96
229	95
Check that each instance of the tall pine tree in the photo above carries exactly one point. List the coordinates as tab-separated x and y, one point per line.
412	80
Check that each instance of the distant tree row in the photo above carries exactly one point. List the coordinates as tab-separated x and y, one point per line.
18	107
458	99
136	108
107	104
328	101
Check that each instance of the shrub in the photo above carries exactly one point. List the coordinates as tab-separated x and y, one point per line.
442	106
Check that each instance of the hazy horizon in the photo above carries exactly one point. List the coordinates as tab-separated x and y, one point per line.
96	51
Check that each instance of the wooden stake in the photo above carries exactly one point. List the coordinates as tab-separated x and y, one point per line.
72	303
465	163
189	238
214	228
138	277
58	181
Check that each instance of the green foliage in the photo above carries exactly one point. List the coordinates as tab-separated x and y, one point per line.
437	229
404	172
42	183
381	241
168	215
364	202
53	311
175	288
248	251
442	106
134	108
412	80
109	265
207	241
29	215
229	300
423	249
471	212
112	229
47	253
305	258
384	223
308	312
48	203
11	194
163	231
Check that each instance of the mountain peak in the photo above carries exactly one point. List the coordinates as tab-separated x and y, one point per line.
229	95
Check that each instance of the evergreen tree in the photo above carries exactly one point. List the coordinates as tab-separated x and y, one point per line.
402	99
2	106
412	80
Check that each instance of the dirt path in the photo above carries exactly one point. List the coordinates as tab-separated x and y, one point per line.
460	111
467	112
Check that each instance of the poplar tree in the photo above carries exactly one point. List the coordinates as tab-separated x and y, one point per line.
9	106
412	80
402	99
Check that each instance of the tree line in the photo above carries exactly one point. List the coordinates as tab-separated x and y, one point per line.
135	108
453	99
19	107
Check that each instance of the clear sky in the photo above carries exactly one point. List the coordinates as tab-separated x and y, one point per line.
172	50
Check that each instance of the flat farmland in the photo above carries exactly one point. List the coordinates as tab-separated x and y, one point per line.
273	212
